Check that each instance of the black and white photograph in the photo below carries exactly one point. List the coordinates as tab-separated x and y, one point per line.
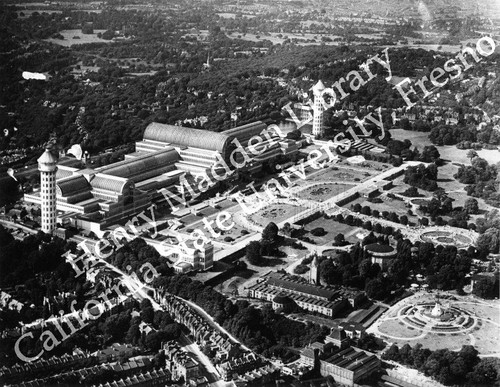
262	193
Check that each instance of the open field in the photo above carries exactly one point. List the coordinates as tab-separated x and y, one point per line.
389	205
448	152
69	38
453	157
313	39
229	15
331	227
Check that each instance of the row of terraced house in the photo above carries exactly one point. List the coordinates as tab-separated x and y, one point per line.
228	354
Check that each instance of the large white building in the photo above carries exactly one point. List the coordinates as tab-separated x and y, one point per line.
96	198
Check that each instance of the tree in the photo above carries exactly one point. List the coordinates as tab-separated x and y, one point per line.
365	268
471	154
253	253
153	340
392	353
270	239
133	334
366	210
87	28
318	231
406	354
339	239
483	373
330	273
485	287
270	233
108	35
430	154
356	207
471	206
376	289
489	241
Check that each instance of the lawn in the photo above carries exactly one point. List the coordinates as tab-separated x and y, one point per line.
389	205
447	152
485	337
332	228
69	38
343	172
277	40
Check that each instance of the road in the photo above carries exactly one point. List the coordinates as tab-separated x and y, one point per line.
140	291
210	371
213	323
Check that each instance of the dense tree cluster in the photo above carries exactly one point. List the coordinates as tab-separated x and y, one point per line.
446	267
422	177
489	230
261	329
36	268
451	135
481	180
390	216
487	286
450	368
267	246
358	222
136	253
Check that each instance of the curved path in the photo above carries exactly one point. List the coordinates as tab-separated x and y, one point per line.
395	315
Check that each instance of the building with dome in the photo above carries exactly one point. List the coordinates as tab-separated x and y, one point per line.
381	254
284	303
167	157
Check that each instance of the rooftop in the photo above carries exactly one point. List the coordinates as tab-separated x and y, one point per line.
379	248
47	158
285	282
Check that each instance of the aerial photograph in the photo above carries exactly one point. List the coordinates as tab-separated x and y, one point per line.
266	193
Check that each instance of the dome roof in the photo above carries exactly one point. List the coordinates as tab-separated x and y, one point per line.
181	136
47	158
379	248
318	87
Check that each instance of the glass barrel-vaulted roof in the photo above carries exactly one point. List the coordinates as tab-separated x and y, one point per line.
181	136
141	164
